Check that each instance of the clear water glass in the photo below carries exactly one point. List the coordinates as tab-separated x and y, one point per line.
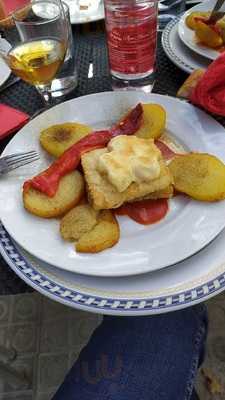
66	78
131	27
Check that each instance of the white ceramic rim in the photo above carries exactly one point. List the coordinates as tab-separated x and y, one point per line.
185	64
140	261
103	304
5	71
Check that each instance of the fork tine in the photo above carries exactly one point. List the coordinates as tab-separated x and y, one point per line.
18	159
13	161
16	155
21	163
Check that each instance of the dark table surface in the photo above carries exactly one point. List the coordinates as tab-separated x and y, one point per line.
90	47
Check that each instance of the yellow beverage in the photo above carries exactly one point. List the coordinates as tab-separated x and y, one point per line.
37	61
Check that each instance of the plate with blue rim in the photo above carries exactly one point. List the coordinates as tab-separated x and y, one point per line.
180	55
188	227
183	285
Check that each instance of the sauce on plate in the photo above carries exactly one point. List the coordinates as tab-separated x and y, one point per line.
145	212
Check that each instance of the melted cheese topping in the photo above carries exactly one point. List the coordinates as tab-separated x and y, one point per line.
130	159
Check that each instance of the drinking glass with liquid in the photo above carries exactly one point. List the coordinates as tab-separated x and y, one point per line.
131	27
35	43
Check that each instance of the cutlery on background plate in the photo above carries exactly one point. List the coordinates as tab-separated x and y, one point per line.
215	15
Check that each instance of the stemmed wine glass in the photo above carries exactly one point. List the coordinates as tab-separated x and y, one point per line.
36	38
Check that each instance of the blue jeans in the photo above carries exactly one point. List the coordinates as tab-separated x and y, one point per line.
140	358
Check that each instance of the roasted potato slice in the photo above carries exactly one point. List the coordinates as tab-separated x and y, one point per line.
154	121
105	234
207	35
58	138
201	176
191	18
78	221
69	193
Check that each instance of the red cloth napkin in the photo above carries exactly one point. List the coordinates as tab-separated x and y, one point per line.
11	5
11	120
209	92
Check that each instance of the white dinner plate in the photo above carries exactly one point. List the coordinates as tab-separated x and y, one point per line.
188	227
188	36
77	17
178	53
4	72
183	285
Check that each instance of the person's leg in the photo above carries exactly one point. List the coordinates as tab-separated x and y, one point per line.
139	358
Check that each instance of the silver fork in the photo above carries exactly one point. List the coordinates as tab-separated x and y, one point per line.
8	163
215	14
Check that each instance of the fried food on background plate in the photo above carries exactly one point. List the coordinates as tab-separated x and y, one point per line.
69	193
208	35
58	138
199	175
191	18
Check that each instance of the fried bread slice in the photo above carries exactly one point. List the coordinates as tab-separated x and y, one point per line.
103	195
159	194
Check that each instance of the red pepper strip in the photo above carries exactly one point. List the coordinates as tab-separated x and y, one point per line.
130	123
47	181
166	151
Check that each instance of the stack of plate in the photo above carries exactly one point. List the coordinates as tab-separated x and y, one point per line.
179	42
158	268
